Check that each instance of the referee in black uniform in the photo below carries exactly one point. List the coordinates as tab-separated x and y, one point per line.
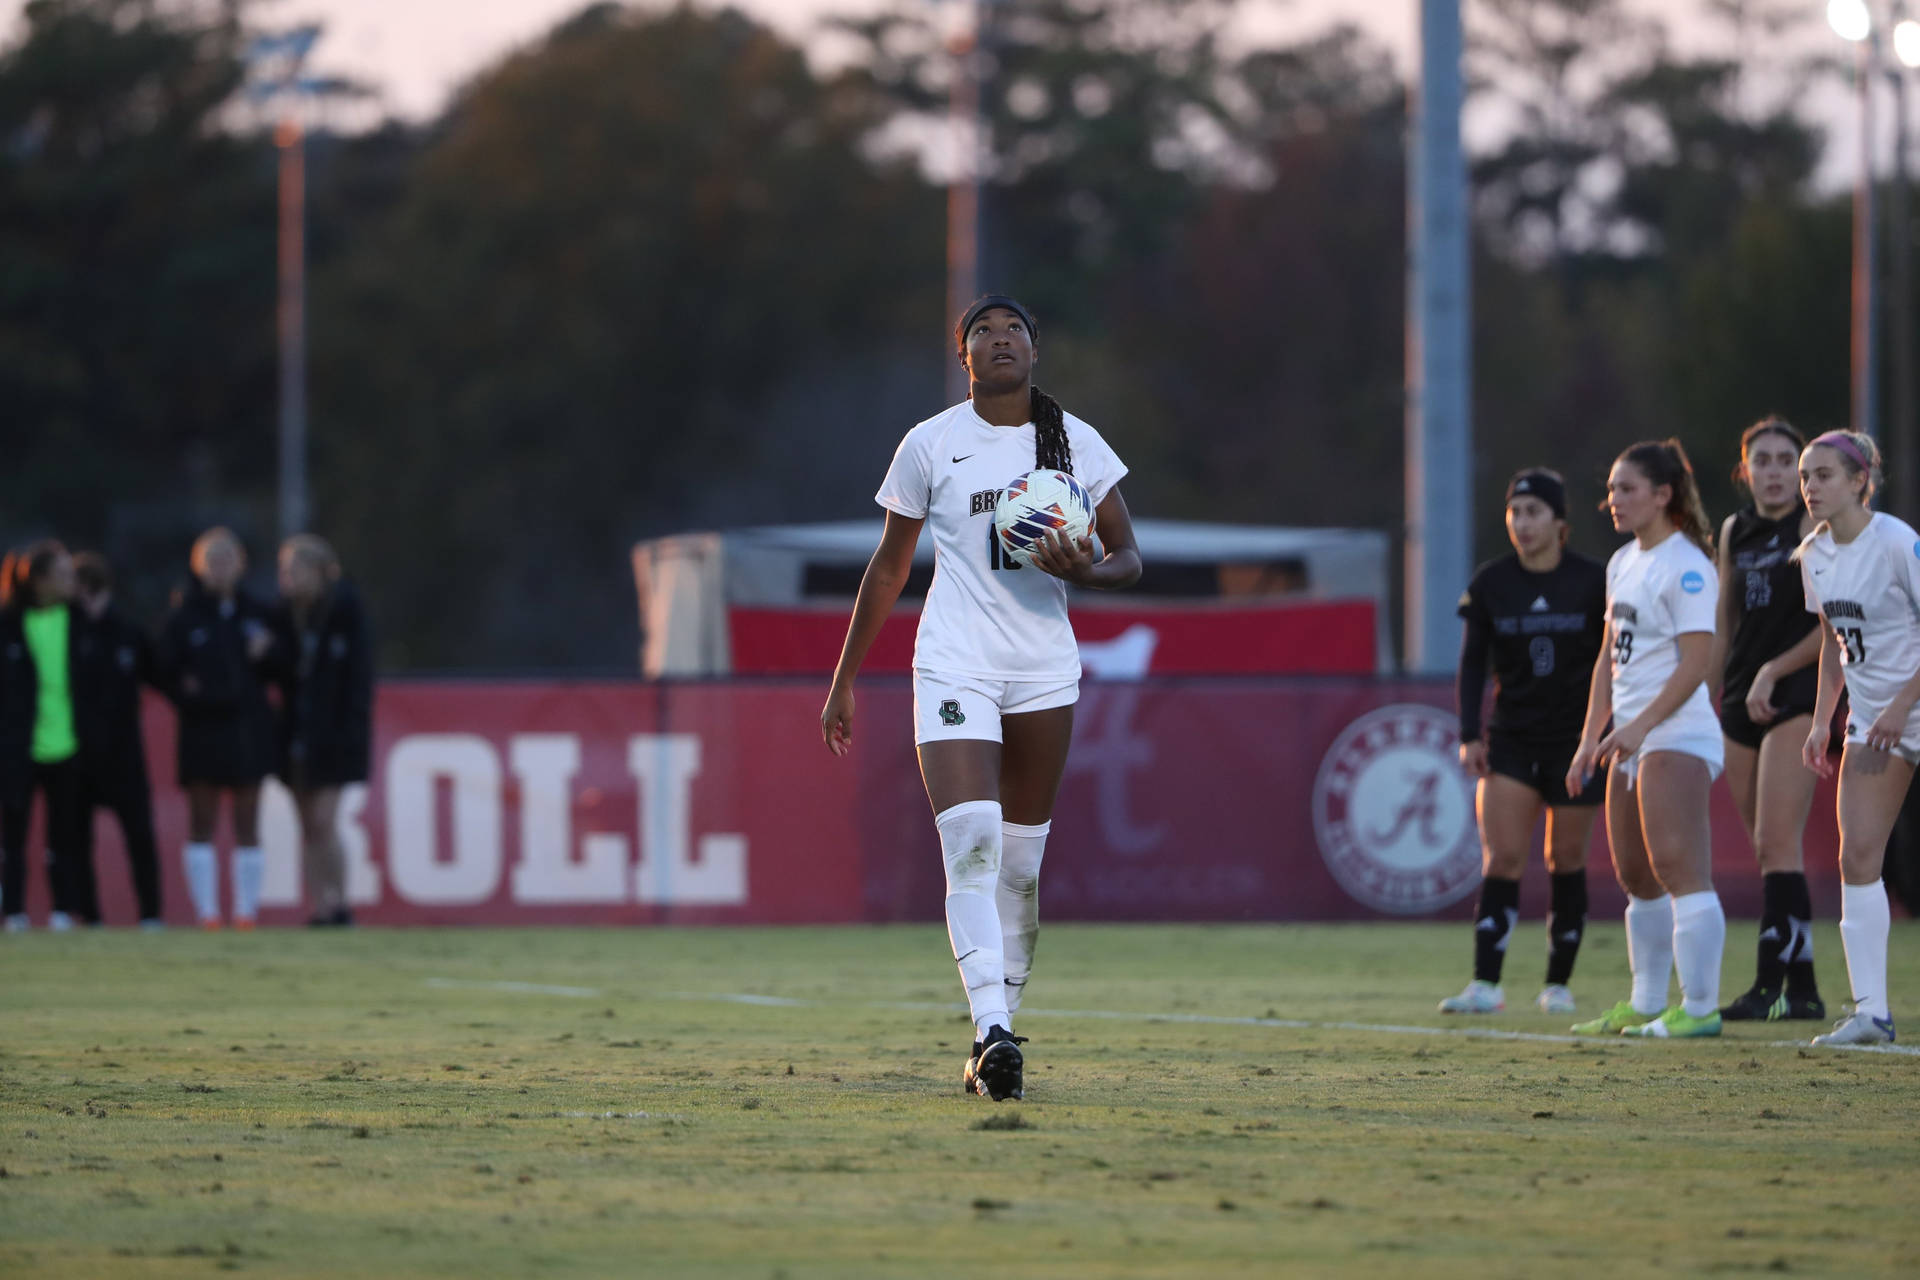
113	659
1536	617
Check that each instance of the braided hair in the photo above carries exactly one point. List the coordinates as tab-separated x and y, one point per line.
1052	451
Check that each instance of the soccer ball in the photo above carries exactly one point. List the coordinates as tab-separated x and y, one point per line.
1035	503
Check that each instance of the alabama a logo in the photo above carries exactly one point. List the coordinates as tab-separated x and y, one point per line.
1393	811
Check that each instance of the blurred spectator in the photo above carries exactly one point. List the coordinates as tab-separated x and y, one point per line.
113	659
39	735
327	725
211	661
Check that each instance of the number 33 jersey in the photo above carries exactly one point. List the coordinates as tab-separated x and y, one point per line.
1868	592
985	615
1655	595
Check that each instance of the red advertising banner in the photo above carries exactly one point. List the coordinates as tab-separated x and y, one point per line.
632	803
1336	637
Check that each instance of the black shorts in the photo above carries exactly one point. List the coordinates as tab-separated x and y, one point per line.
1740	728
1543	766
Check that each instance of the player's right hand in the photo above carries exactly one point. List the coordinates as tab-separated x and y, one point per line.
836	721
1580	772
1473	757
1814	753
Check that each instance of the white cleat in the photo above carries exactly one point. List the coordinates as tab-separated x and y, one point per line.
1479	997
1554	998
1859	1027
19	923
60	922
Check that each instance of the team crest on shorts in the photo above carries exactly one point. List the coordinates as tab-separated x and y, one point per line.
1393	811
951	714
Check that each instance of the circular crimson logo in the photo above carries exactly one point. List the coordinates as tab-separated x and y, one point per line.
1393	811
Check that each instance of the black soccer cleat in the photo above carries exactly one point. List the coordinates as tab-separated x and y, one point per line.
1806	1008
994	1071
1757	1005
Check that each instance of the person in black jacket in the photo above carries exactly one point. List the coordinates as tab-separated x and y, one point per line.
114	659
39	736
213	662
327	721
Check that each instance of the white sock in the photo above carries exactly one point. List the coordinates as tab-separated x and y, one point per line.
1018	899
203	881
1699	938
970	846
1650	950
1864	922
249	869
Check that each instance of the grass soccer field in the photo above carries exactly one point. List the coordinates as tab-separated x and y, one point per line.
1201	1101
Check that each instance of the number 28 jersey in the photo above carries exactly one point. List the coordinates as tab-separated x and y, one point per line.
1655	595
1868	592
985	615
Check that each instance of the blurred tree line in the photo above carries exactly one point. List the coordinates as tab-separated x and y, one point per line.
658	271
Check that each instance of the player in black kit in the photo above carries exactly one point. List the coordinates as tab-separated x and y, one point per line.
1768	646
1538	616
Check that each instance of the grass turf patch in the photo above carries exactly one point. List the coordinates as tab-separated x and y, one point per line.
787	1102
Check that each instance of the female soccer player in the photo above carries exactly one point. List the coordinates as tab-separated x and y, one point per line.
1860	570
326	739
39	733
1665	744
995	668
1766	647
212	656
1539	613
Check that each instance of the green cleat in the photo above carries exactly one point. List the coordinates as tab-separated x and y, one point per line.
1676	1024
1614	1021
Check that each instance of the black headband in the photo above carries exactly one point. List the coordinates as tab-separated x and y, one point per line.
988	303
1544	485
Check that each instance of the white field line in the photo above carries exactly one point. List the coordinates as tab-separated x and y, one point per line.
1290	1024
518	988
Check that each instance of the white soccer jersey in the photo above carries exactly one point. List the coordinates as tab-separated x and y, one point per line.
1655	596
1868	592
985	615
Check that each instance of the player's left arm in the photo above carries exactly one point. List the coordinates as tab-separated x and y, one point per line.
1890	726
1072	559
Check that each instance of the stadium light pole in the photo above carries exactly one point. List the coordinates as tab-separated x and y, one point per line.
1853	21
280	59
963	189
1904	435
1438	428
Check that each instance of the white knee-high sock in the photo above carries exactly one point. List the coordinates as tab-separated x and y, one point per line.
249	869
1864	922
970	846
1650	950
1018	898
203	881
1699	938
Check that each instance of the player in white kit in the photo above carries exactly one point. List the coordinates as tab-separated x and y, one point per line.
1665	745
995	668
1861	572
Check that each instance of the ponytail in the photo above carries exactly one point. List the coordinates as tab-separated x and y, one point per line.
1664	462
1051	449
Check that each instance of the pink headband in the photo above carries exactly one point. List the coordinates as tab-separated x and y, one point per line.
1838	440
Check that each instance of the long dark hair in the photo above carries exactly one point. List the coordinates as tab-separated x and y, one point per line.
1051	449
1665	462
22	571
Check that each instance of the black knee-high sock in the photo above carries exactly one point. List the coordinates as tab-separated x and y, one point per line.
1493	925
1797	952
1777	936
1566	926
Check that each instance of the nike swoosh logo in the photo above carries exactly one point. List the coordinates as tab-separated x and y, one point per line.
963	457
